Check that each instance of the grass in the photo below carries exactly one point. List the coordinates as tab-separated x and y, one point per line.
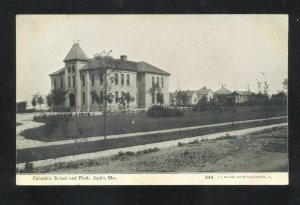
245	153
39	153
81	127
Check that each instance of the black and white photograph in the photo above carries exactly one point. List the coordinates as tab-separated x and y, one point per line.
152	99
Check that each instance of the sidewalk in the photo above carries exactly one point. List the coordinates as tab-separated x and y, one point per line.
23	143
160	145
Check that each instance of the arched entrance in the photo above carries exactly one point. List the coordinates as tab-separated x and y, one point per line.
72	100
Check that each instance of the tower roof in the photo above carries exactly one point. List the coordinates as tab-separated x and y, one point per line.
76	53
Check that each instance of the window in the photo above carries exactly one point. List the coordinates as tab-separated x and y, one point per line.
69	81
116	96
153	98
162	82
122	94
61	82
69	69
54	84
73	69
116	78
101	96
101	79
153	83
93	81
122	79
73	81
83	98
157	81
128	79
93	98
83	80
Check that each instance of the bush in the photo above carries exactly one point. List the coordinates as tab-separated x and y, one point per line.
180	144
160	111
194	142
227	137
28	167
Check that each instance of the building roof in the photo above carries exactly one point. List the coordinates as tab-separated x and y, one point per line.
76	53
237	92
58	72
140	67
189	93
203	91
223	91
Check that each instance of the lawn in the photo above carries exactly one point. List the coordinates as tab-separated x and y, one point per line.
263	151
40	153
80	127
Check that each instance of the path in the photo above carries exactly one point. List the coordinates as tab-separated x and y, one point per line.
160	145
23	143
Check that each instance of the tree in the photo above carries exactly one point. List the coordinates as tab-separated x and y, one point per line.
285	85
34	100
266	95
160	98
49	101
107	67
58	97
21	106
100	99
109	99
181	97
40	100
125	100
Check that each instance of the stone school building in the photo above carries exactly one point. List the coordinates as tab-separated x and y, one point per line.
80	77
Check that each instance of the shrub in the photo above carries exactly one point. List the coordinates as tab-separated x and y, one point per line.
227	136
160	111
129	153
28	167
194	141
120	154
180	144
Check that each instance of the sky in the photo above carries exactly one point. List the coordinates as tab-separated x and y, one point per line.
198	50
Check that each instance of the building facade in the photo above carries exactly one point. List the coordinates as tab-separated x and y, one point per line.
205	93
81	77
241	96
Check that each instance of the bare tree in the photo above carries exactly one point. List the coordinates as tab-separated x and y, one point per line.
107	67
285	85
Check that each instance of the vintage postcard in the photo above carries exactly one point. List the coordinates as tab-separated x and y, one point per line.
152	100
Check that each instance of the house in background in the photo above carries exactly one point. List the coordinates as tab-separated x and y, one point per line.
172	98
241	96
81	75
205	92
191	97
181	97
222	94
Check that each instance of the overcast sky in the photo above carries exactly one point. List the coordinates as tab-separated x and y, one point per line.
198	50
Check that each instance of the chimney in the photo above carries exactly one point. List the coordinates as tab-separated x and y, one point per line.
123	57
